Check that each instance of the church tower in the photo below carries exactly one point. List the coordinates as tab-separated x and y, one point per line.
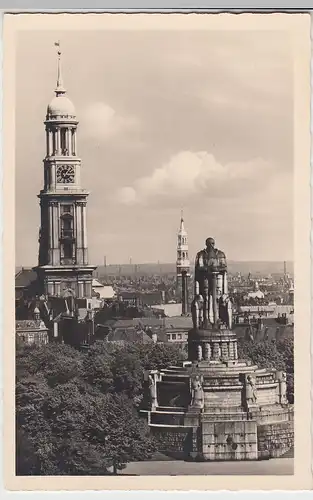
183	264
63	251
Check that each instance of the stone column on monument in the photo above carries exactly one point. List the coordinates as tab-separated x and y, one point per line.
219	285
216	351
235	350
207	351
231	351
199	353
214	298
225	283
206	303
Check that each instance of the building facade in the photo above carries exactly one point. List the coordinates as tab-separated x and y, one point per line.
63	248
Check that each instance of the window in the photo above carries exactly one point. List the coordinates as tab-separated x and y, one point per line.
179	336
68	250
66	209
173	336
64	147
67	223
67	226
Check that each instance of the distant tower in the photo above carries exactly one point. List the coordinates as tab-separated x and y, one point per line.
286	277
63	250
183	264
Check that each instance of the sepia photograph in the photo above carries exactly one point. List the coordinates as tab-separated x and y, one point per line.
155	213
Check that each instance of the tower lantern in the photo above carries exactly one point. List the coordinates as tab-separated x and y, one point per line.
63	250
183	263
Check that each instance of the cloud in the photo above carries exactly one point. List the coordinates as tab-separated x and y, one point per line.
194	174
101	122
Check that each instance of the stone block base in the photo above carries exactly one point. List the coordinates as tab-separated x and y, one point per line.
275	439
229	440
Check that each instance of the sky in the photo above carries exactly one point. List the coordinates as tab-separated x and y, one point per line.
168	120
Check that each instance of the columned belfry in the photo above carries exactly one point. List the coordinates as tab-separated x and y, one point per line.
63	250
183	264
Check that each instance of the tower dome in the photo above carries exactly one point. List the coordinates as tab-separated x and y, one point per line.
61	107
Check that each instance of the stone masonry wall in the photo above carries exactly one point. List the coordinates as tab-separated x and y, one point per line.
229	440
275	439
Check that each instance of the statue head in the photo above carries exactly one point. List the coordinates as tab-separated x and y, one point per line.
210	242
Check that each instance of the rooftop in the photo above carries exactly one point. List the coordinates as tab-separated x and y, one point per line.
24	277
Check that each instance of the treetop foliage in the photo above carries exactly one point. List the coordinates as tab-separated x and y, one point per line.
77	412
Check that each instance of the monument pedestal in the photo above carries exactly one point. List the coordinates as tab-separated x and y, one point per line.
228	427
216	407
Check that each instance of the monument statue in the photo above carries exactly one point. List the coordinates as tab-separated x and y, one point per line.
250	390
197	309
153	389
211	305
197	395
282	387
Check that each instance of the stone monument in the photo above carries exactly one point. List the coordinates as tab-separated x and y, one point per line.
215	406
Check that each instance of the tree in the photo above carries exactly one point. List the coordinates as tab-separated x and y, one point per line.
26	459
119	368
163	355
271	354
74	426
125	437
58	363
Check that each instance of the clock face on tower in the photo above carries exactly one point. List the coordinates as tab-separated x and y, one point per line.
65	174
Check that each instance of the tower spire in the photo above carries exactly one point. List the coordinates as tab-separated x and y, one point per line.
182	227
60	87
182	263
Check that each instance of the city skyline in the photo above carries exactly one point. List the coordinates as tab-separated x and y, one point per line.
227	162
